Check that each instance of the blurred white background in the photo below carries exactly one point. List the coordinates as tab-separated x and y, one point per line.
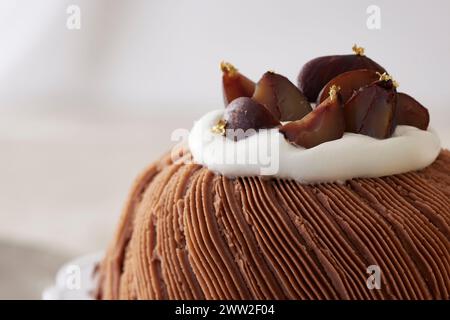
83	111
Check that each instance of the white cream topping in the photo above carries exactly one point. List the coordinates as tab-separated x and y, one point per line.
268	153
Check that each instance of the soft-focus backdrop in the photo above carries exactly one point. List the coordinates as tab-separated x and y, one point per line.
83	111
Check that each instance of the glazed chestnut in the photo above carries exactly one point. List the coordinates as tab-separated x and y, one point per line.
316	73
370	111
234	84
349	82
325	123
245	113
281	97
410	112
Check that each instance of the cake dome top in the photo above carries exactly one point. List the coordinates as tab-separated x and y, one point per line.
344	120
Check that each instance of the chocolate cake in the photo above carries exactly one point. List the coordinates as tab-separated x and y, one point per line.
195	229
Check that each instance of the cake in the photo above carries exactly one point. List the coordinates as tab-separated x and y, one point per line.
358	206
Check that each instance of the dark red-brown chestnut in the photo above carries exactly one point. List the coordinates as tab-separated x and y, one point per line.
410	112
349	82
245	113
281	97
316	73
370	111
325	123
234	84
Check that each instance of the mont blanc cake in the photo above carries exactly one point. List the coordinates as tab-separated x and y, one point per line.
334	188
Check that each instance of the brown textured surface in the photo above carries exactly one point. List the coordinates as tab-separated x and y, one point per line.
187	233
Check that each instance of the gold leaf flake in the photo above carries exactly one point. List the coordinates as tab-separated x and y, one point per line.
386	77
219	127
334	89
358	50
228	68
